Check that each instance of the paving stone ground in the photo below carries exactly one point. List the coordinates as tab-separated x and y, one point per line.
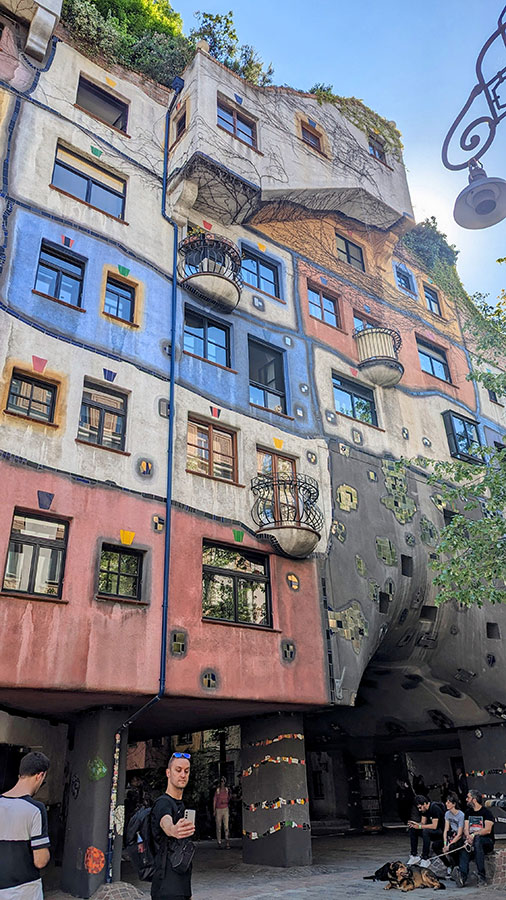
339	864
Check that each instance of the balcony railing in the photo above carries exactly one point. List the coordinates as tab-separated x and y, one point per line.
377	351
285	510
210	267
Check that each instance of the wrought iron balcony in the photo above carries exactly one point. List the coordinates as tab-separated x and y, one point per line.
377	351
285	510
210	267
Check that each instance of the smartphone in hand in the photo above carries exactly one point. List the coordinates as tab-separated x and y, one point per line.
189	815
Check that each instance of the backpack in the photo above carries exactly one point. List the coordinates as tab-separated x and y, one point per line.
140	845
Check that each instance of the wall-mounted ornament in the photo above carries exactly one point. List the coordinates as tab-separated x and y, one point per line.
215	412
428	532
44	499
262	247
357	437
439	502
330	416
372	475
299	412
238	99
38	364
75	786
403	616
258	303
344	450
66	241
96	151
353	371
311	457
304	388
323	280
397	499
367	308
339	530
119	819
405	434
126	537
410	539
207	225
385	550
350	624
123	271
144	467
373	591
96	768
163	408
426	442
288	340
312	123
158	523
360	566
238	535
288	653
94	860
278	443
109	375
347	498
110	81
293	581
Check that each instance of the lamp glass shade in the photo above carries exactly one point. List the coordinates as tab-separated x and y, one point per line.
481	204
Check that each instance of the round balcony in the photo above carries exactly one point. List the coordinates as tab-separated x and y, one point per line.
377	352
285	511
210	267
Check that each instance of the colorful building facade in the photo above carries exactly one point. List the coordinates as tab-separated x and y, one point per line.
213	350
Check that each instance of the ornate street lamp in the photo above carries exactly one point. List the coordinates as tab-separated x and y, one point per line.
483	202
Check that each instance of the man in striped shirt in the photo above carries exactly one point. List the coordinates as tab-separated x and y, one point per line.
24	841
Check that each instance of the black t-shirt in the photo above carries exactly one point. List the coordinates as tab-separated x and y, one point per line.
476	820
170	884
436	811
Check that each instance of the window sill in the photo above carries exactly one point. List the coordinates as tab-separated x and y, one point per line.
109	598
89	205
17	415
181	136
327	324
20	595
57	300
102	121
267	628
359	421
121	321
351	266
441	380
273	411
256	290
231	134
211	362
382	162
102	447
214	478
315	149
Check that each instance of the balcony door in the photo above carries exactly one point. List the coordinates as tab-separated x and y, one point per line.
280	501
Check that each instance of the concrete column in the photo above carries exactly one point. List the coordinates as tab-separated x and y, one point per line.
274	792
91	766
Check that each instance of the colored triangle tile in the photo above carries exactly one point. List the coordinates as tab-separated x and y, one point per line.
262	248
215	412
38	363
110	81
44	499
66	241
278	443
123	271
96	151
126	536
207	225
109	375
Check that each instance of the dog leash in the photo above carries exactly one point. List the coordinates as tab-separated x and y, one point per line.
462	847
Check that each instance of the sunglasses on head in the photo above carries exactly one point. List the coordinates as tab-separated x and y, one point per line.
181	756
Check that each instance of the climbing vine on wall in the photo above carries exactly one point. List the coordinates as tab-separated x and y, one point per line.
437	256
356	111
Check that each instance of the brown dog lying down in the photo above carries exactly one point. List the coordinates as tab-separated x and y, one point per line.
406	878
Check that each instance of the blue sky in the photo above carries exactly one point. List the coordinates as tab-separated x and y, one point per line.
411	62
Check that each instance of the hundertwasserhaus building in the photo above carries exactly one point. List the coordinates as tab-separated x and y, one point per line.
213	349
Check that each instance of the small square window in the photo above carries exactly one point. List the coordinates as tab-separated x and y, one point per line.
288	651
178	643
258	272
266	377
405	279
236	123
432	300
377	149
492	396
354	400
101	104
310	136
103	417
60	274
120	573
350	253
31	397
407	565
428	613
493	631
433	360
209	680
36	556
119	300
322	306
180	125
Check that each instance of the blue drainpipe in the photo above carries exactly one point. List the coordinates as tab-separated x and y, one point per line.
177	86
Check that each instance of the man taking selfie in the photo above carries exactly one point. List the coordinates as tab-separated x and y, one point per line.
171	831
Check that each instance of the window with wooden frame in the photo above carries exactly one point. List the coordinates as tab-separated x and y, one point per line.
88	182
120	573
322	305
102	105
60	274
211	450
377	149
433	360
206	338
103	417
236	123
266	377
432	300
31	397
360	321
180	125
36	555
280	505
311	136
235	586
260	273
350	253
119	300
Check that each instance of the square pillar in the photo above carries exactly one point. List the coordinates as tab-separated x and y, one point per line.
93	769
276	827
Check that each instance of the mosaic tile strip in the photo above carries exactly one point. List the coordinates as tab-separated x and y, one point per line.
277	760
275	804
350	624
428	532
347	498
339	529
280	737
397	500
361	566
254	835
386	551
